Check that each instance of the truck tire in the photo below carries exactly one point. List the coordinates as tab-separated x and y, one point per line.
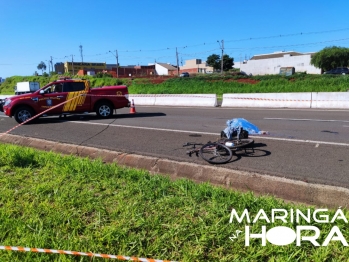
23	113
104	109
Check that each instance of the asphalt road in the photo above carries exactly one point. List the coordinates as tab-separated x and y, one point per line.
307	145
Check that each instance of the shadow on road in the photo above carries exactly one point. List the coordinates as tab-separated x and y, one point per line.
57	119
253	152
139	115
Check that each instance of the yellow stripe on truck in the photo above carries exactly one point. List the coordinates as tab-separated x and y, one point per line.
67	105
80	100
74	102
71	106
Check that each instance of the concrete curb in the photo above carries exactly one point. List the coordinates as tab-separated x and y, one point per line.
291	190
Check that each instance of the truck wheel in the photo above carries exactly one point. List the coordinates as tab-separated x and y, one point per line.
23	113
104	110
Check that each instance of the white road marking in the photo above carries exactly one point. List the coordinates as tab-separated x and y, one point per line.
305	119
252	108
145	128
215	134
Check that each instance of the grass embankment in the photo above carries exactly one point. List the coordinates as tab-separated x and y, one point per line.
7	88
69	203
258	84
210	84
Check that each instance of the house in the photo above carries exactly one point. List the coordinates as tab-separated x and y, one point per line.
165	69
270	64
195	66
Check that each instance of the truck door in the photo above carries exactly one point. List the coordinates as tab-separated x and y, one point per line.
75	92
51	97
58	93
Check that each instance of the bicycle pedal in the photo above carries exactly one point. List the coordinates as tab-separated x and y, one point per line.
197	154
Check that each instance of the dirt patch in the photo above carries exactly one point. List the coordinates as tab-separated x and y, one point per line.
242	80
247	81
157	81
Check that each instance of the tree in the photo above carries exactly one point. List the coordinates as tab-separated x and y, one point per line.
42	66
228	63
331	57
215	61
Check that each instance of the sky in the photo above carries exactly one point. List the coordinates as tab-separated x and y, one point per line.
147	31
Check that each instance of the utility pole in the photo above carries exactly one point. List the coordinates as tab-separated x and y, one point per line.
49	68
72	63
82	58
117	62
177	62
222	47
51	64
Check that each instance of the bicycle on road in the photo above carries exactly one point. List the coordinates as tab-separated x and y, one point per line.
219	152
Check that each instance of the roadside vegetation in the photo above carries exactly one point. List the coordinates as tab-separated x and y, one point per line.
69	203
207	84
243	84
331	57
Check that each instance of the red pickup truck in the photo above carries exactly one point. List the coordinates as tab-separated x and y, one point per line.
77	94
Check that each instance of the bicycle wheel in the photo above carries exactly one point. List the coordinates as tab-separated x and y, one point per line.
215	153
241	143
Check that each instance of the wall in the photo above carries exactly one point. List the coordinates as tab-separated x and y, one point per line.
136	71
69	66
319	100
195	66
160	70
326	100
204	100
272	66
123	71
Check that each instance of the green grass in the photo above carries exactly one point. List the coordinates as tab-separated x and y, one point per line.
64	202
209	84
8	86
266	84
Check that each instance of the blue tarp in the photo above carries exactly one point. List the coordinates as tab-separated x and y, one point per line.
235	123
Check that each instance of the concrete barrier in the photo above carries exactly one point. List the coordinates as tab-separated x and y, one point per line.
209	100
330	100
274	100
143	100
5	96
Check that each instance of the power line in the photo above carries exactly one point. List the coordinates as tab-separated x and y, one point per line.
228	41
212	50
243	39
280	46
